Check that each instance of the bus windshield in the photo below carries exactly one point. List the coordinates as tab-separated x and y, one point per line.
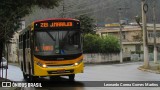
57	42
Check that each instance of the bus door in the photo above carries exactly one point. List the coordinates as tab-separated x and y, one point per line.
24	55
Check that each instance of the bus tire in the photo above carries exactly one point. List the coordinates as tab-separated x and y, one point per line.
21	66
30	77
54	78
24	76
71	77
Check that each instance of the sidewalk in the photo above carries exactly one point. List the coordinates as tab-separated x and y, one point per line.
153	68
7	88
6	80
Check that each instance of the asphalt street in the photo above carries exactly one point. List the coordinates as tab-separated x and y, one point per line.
108	72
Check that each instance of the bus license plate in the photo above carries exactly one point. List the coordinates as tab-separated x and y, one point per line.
61	71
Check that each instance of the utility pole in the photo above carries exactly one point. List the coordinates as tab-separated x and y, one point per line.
154	31
120	34
144	8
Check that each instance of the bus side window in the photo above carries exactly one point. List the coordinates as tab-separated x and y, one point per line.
27	39
19	41
24	41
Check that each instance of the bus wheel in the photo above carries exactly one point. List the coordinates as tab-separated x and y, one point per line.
54	78
24	76
71	77
32	78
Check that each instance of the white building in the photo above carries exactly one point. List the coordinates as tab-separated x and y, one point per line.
13	45
132	36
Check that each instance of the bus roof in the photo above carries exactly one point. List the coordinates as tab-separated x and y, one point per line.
55	19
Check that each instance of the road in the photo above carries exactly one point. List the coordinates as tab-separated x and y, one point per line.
109	72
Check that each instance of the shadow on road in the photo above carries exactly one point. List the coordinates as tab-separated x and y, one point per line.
58	82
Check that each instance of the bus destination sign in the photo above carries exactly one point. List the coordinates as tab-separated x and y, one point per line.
56	24
59	24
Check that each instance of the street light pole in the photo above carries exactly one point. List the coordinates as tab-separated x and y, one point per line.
154	31
144	8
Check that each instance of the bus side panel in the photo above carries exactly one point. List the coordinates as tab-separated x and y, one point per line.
21	59
32	51
24	54
28	53
28	61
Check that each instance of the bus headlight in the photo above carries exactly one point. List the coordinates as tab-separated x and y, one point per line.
77	63
44	65
41	65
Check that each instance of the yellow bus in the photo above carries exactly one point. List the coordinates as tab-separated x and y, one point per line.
51	47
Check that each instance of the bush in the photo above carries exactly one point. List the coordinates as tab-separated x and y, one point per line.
110	44
92	43
97	44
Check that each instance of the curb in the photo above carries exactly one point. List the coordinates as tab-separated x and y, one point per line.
148	70
14	64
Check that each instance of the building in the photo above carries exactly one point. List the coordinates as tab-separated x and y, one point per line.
13	48
13	45
131	36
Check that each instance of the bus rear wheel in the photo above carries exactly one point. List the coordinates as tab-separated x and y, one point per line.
24	76
71	77
32	78
54	77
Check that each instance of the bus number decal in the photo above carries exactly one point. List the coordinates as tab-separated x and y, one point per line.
44	24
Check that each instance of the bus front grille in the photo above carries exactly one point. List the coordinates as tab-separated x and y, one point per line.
59	66
60	71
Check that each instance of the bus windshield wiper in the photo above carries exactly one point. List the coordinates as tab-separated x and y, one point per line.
51	36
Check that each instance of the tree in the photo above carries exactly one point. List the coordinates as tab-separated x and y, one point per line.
92	43
110	44
87	24
12	11
97	44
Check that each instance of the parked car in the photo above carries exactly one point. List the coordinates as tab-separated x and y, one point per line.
4	62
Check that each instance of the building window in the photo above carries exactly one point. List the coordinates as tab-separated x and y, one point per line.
158	34
126	49
124	35
150	34
138	47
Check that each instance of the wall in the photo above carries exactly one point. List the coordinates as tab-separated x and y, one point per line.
103	58
135	57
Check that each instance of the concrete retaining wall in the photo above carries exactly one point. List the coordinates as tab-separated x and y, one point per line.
101	58
135	57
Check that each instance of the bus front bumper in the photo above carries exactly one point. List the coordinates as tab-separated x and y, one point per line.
58	71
